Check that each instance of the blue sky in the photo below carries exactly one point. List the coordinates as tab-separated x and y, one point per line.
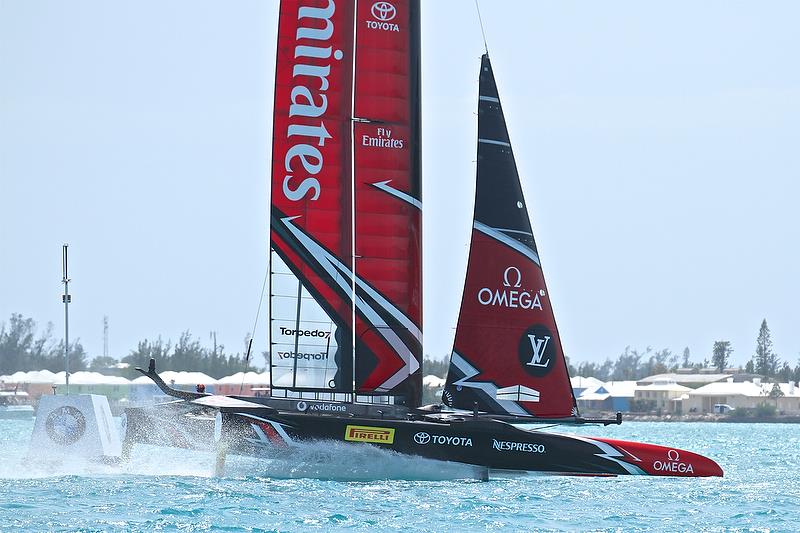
657	144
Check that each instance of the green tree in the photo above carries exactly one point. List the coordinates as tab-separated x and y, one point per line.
627	366
765	360
721	355
189	354
21	350
15	343
784	375
437	367
101	363
55	361
686	355
658	362
146	350
776	393
601	371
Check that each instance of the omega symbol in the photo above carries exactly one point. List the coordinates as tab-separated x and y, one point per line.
673	455
508	277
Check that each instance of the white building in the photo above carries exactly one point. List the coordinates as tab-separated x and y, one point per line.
747	394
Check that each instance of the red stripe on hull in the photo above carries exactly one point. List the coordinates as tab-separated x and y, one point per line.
664	461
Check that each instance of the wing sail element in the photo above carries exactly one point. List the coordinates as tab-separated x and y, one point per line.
345	240
311	326
388	236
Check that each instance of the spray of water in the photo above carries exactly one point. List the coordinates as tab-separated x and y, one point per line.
330	460
326	460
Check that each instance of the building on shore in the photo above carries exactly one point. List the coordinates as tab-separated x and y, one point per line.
242	383
692	380
581	384
610	396
744	395
661	395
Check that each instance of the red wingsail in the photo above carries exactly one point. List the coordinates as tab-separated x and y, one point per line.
310	240
345	183
388	237
507	357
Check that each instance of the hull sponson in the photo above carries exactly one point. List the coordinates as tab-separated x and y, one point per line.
485	443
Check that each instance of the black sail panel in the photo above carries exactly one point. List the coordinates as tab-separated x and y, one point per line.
498	194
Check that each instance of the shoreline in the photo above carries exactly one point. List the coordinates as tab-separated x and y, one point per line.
708	417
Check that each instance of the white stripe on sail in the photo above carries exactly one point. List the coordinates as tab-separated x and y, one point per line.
489	99
329	261
335	268
489	388
506	230
497	234
493	141
384	186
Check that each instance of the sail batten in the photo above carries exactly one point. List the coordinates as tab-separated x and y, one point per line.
507	356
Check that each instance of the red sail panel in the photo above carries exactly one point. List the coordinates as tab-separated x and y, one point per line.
388	237
507	357
311	316
507	330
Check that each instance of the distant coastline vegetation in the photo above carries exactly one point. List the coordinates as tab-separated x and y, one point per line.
24	348
634	365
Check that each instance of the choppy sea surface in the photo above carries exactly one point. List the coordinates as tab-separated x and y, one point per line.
330	488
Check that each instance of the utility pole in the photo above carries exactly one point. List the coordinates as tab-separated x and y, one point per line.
66	298
105	336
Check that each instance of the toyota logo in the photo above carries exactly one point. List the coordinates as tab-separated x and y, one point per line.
383	11
422	438
673	455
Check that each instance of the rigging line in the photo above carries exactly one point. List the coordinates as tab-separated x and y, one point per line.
480	20
255	325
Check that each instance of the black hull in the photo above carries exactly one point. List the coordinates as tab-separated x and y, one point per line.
480	443
454	437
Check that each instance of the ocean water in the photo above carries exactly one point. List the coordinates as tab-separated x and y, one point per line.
333	488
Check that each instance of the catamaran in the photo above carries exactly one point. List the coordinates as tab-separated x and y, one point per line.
345	279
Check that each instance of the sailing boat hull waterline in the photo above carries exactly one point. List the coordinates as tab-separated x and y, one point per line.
242	427
345	280
276	427
483	443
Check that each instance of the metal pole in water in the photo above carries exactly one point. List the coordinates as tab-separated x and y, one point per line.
66	298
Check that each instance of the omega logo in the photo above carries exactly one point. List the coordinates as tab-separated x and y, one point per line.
518	274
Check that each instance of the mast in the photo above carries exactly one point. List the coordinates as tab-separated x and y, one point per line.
66	298
507	356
